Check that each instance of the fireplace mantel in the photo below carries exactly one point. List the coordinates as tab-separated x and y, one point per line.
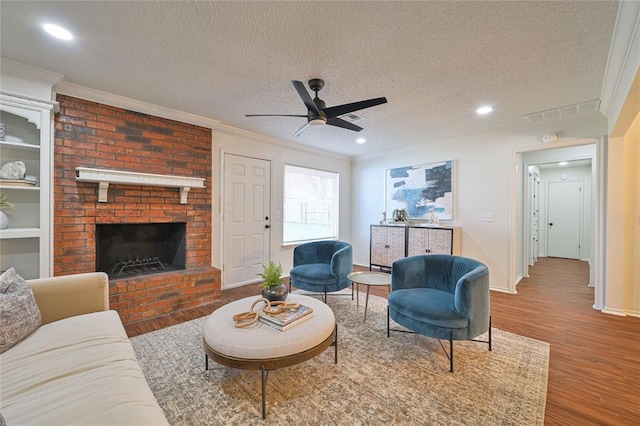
105	177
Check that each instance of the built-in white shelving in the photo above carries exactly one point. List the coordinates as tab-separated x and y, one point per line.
26	243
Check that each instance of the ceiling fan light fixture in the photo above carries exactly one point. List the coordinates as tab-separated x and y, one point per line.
361	140
317	122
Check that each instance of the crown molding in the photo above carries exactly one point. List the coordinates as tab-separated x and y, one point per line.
623	62
31	73
280	142
28	81
118	101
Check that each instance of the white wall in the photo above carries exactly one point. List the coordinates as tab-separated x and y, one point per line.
234	141
484	181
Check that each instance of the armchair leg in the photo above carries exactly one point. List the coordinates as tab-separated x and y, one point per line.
486	341
451	352
489	333
388	333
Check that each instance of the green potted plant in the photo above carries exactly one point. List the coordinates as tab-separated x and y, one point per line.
272	287
400	215
4	205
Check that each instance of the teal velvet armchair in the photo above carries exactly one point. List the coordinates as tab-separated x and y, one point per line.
441	296
321	266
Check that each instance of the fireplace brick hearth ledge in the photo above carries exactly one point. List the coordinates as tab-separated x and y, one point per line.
97	136
146	296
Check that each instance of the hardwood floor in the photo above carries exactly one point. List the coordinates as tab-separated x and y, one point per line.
594	371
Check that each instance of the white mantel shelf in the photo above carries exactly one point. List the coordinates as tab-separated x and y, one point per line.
105	177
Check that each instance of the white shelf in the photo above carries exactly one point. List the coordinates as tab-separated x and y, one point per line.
13	233
105	177
19	145
27	188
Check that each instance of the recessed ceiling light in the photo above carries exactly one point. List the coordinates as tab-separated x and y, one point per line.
361	140
562	163
57	32
484	110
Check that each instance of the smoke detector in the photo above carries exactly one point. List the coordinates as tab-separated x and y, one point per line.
550	138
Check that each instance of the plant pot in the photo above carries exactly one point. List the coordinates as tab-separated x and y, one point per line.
279	292
4	220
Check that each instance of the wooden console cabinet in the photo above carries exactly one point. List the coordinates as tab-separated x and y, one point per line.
392	242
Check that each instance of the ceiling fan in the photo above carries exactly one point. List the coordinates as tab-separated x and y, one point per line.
317	112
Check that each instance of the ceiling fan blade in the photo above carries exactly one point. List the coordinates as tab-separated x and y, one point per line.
306	98
338	122
355	106
275	115
301	130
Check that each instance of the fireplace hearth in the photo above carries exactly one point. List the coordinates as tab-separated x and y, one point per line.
129	250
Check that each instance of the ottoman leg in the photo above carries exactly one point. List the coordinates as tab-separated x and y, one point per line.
335	343
265	374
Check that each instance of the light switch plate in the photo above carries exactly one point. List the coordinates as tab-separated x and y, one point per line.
487	217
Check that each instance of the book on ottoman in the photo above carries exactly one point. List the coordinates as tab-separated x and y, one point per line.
287	319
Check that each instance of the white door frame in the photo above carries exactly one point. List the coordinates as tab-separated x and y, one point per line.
598	163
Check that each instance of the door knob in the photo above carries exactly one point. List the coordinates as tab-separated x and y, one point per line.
551	224
267	226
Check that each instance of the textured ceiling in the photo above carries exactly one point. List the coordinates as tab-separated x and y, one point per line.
436	62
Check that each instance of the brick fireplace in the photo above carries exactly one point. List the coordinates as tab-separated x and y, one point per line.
89	134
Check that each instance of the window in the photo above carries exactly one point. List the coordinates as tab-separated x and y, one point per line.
310	204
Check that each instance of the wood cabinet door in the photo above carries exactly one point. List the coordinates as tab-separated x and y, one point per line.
429	241
387	244
418	241
379	245
396	244
440	241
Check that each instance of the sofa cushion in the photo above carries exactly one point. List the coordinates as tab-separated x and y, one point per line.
77	371
19	313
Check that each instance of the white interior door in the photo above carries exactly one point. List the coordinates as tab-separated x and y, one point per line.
245	219
564	218
534	182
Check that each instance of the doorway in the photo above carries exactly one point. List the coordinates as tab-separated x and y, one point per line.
245	218
526	246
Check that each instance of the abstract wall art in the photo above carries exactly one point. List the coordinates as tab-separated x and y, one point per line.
421	189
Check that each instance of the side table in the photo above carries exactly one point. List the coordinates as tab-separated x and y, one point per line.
369	278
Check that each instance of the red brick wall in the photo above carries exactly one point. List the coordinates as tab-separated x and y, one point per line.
89	134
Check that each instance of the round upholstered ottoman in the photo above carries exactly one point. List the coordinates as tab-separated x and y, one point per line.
261	347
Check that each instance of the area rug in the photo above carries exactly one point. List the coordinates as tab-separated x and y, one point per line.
402	379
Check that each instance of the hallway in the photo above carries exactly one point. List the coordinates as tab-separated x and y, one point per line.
594	370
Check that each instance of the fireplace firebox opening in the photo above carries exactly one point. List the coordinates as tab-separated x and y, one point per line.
127	250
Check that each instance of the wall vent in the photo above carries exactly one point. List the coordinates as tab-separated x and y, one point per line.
562	112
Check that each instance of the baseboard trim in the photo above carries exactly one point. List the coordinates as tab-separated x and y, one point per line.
612	311
634	313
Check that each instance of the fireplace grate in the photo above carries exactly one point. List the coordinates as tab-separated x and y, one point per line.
138	265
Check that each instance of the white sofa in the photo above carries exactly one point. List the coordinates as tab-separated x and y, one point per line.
78	367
